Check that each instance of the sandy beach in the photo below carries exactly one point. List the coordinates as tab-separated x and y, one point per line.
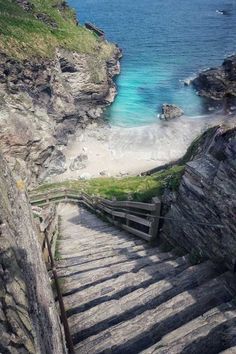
117	151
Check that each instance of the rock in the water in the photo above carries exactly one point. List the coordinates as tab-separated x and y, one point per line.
80	162
218	85
170	111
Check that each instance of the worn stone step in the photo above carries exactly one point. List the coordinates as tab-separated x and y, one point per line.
99	242
147	328
91	279
93	254
125	284
78	251
75	246
123	296
82	234
209	333
134	303
114	257
94	273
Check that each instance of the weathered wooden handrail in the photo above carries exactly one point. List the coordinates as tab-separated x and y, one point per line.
120	213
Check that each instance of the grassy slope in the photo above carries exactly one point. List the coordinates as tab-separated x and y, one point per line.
23	36
140	188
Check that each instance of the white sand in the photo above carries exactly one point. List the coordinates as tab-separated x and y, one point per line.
130	151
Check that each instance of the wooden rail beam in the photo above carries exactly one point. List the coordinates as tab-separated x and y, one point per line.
110	207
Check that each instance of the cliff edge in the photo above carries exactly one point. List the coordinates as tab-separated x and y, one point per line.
202	217
55	77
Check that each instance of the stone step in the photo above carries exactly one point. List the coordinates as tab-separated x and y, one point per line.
114	310
112	238
111	271
72	247
124	296
150	296
95	272
82	234
147	328
91	279
125	284
125	255
93	254
210	333
77	251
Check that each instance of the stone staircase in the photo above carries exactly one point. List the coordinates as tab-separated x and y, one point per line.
124	296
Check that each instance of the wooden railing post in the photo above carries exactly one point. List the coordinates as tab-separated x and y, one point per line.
130	198
113	216
64	319
153	231
66	194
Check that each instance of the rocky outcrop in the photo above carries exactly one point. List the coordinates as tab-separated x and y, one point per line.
25	4
202	215
79	162
218	85
28	317
43	101
170	111
29	7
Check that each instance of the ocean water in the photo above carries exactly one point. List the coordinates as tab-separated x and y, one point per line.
164	42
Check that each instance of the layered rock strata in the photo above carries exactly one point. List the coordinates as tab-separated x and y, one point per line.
43	101
28	318
202	218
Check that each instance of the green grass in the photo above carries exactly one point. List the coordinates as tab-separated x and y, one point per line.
23	36
138	188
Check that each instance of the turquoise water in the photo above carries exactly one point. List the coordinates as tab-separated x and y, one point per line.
164	42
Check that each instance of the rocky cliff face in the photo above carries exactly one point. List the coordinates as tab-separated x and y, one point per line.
207	195
218	85
28	317
43	101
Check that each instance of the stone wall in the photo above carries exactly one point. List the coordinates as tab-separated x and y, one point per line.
207	195
28	318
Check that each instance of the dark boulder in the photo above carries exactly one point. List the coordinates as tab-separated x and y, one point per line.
170	111
218	85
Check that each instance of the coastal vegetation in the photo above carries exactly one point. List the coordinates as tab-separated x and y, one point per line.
44	27
136	188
